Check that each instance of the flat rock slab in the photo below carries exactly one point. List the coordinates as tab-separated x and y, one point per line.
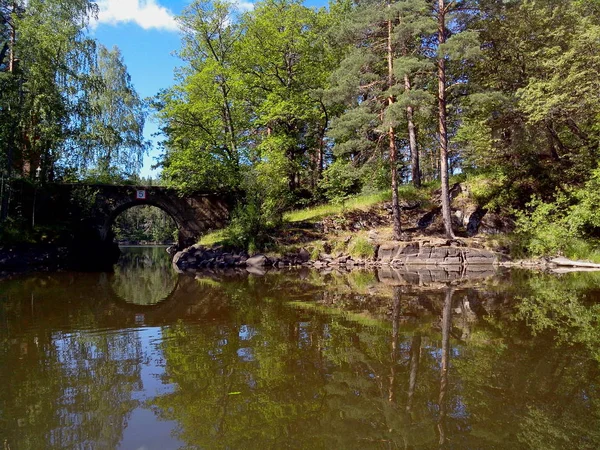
571	263
434	254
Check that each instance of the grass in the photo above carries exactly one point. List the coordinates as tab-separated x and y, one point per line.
580	249
214	237
318	212
313	214
361	248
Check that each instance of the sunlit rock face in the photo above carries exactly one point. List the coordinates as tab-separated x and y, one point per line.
434	254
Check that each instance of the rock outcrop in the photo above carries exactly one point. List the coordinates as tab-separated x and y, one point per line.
448	253
432	253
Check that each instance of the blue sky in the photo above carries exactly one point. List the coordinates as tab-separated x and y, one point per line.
146	32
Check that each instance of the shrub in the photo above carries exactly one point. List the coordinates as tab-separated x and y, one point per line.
542	229
570	224
360	247
340	181
261	209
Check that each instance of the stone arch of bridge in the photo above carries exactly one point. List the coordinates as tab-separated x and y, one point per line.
185	235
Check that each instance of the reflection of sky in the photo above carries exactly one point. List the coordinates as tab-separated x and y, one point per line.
245	354
144	430
247	332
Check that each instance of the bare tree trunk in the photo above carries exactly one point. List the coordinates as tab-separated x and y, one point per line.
397	225
446	328
321	150
13	38
412	140
443	130
5	201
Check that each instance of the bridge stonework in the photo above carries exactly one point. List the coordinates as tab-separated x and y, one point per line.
88	212
193	214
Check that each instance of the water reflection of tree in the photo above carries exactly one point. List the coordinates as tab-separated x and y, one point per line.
67	390
251	371
457	378
286	375
537	385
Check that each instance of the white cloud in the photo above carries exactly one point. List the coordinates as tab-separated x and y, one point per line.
244	5
145	13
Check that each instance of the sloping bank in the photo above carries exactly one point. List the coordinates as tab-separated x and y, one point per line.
429	252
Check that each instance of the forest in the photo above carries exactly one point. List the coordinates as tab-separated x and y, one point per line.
288	105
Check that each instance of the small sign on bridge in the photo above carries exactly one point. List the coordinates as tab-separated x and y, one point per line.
140	194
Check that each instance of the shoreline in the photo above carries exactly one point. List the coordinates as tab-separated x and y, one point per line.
29	258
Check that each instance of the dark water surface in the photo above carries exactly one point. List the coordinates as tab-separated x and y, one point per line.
144	358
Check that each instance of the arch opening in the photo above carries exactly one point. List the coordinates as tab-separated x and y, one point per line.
143	224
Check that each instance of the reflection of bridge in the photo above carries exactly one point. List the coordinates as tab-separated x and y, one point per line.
90	210
190	299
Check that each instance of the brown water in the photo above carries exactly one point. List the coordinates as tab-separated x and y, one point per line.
146	359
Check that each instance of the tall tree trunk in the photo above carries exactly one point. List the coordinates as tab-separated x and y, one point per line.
412	140
321	150
446	328
397	225
5	203
229	126
443	130
13	38
7	185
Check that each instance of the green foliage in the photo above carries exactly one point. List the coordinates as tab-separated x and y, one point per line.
83	199
559	304
340	181
375	175
491	190
70	106
145	223
261	210
542	230
360	247
529	112
144	276
569	224
247	229
113	144
316	250
204	116
249	97
15	231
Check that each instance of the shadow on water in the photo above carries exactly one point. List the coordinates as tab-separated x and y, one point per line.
385	359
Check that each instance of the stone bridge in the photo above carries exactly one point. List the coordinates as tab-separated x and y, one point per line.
193	214
88	211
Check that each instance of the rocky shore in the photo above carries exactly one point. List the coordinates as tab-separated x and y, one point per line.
425	253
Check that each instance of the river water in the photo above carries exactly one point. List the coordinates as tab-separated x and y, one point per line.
144	358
